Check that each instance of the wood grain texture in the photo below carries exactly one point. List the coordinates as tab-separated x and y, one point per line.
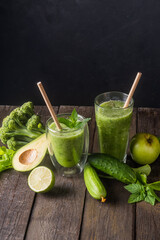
114	219
58	214
16	198
147	216
68	212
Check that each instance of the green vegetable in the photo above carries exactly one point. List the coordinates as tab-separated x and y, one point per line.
146	169
6	156
113	167
72	121
141	191
155	185
21	126
137	178
94	184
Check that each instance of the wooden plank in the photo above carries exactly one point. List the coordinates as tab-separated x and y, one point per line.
147	216
57	214
16	198
114	219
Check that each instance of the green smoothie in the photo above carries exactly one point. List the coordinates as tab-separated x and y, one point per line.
67	144
113	122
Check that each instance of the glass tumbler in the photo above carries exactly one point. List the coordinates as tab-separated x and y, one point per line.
68	148
113	123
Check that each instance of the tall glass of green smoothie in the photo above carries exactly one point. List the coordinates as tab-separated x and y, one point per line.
68	148
113	123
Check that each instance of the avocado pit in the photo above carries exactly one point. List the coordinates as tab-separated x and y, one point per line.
28	156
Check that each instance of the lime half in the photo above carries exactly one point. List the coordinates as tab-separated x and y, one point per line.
41	179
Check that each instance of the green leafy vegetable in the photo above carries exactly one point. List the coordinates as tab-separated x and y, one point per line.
65	121
72	121
135	178
151	196
74	116
21	126
142	191
136	197
152	192
6	156
135	188
150	199
141	178
155	185
146	169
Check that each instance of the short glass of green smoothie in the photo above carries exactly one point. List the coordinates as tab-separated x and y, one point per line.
68	148
113	123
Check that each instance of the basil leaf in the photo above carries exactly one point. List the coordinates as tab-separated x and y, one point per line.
134	188
72	121
150	191
146	169
151	196
81	124
65	121
142	178
74	116
150	199
136	197
155	185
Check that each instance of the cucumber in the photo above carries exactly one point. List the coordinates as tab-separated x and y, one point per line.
110	165
93	183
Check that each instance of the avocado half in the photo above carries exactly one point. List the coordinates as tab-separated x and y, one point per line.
30	155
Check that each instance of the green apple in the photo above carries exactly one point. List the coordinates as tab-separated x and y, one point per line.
144	148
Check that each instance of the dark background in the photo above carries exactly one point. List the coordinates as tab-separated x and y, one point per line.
78	49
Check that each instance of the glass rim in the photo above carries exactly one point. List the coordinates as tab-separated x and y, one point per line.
65	132
113	92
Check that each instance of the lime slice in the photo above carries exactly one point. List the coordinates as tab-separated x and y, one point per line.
41	179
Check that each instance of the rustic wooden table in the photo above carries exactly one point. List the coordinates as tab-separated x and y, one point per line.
68	212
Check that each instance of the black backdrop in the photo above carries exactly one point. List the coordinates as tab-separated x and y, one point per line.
78	49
